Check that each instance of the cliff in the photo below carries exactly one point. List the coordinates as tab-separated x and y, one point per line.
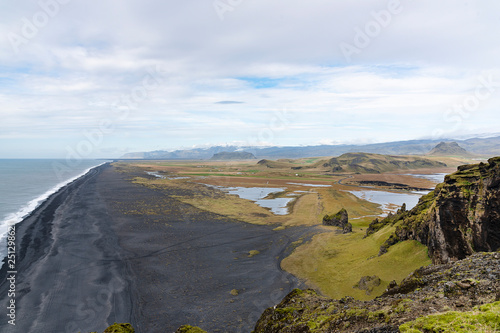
458	297
460	217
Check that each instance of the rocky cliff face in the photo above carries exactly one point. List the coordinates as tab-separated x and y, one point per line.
460	217
458	297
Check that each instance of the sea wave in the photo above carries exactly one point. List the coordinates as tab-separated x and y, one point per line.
25	211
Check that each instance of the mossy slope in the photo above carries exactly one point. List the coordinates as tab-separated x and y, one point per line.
437	298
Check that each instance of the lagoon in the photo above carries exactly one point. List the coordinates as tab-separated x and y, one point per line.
278	206
388	200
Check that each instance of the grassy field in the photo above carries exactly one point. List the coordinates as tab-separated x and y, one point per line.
331	262
334	263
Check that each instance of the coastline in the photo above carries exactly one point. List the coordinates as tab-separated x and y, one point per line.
15	217
85	261
59	248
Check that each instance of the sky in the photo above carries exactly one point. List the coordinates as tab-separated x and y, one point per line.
98	79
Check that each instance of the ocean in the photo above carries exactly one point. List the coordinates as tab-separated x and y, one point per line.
26	183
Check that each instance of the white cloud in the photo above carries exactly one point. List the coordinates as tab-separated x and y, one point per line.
269	55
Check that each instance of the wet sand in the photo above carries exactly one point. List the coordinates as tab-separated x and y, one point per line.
86	259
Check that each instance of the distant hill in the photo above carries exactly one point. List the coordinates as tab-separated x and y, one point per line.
483	146
448	149
279	164
376	163
237	155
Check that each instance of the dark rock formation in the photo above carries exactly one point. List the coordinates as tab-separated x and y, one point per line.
347	228
396	186
463	286
368	283
119	328
460	217
237	155
340	219
448	149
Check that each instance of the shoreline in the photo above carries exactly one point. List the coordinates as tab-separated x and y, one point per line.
14	218
55	283
84	262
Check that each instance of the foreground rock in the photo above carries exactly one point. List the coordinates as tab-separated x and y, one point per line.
461	216
189	329
463	287
119	328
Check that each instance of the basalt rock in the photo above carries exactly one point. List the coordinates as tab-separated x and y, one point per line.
460	217
368	283
347	228
340	219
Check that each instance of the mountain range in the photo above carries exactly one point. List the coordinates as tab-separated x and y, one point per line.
479	146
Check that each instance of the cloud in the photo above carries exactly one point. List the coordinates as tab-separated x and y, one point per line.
229	102
79	69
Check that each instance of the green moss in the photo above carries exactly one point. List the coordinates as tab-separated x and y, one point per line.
120	328
378	316
317	322
402	306
312	325
485	318
286	310
190	329
253	253
357	313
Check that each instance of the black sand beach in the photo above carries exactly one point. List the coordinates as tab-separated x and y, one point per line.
86	259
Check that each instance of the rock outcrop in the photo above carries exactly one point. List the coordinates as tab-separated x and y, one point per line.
368	283
189	329
464	293
340	219
460	217
119	328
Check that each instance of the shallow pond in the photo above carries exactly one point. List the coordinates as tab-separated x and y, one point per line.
257	194
387	200
436	177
